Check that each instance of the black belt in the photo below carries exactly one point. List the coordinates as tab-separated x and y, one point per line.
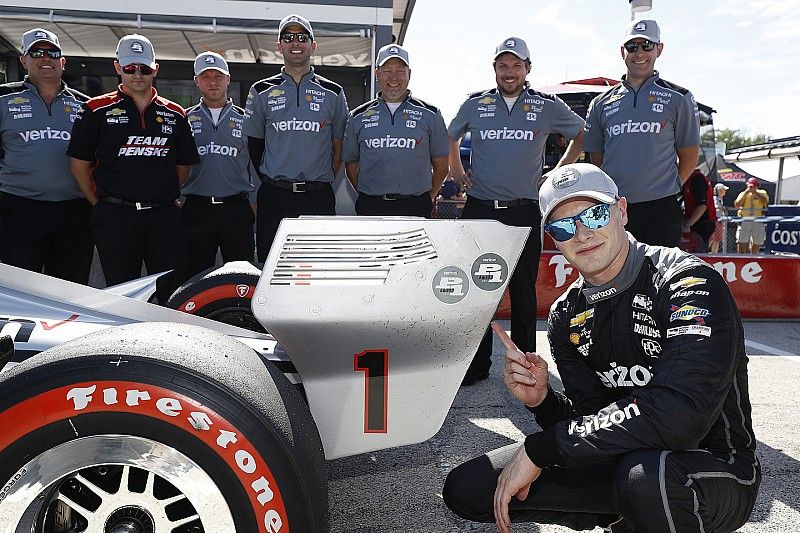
393	196
298	186
139	206
215	200
502	204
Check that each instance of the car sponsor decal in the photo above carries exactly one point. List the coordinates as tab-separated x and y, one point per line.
581	318
688	312
686	283
647	331
215	294
693	329
651	347
167	406
643	301
489	272
450	285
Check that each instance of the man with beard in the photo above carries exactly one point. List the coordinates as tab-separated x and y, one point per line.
509	125
294	122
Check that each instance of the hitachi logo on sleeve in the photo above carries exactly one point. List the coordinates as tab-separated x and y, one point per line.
635	127
298	125
391	142
38	135
507	134
147	146
592	424
220	149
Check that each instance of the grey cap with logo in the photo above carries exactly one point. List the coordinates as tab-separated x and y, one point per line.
513	45
136	49
644	29
389	51
574	181
38	35
210	60
297	20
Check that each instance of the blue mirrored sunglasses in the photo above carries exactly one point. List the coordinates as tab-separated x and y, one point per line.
594	217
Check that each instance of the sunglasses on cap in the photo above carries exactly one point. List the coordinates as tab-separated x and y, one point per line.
37	53
647	46
145	70
594	217
301	37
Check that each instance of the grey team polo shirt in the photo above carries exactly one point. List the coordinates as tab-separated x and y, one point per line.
394	151
297	123
508	145
638	132
33	142
224	168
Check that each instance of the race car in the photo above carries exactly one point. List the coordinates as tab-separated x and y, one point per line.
121	416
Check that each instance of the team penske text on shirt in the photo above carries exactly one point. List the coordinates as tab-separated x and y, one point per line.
147	146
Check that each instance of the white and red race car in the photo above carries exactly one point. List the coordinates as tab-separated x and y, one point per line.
120	416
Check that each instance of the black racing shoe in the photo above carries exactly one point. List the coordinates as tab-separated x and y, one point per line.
471	378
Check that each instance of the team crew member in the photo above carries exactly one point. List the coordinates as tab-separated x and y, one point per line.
638	129
395	146
295	123
216	212
752	202
45	223
136	147
653	432
509	126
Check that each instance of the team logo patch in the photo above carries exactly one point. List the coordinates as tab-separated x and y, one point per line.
581	318
688	312
137	47
658	108
41	35
642	26
511	43
565	178
651	347
642	302
210	60
692	329
687	282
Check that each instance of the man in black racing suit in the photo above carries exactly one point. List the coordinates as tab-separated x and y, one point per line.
653	431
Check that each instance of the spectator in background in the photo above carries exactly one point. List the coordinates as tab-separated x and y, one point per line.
720	190
699	214
645	133
752	202
45	222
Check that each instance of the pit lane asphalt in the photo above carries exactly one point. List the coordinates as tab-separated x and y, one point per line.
399	490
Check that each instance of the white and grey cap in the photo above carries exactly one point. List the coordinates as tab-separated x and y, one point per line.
210	60
289	20
135	49
389	51
514	45
573	181
645	29
38	35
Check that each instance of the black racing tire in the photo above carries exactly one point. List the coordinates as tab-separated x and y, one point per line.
221	294
194	415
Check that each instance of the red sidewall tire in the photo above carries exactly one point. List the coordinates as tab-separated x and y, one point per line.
152	381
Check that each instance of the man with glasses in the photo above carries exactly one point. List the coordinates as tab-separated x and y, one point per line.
294	122
45	222
653	430
131	150
509	125
645	133
395	146
216	212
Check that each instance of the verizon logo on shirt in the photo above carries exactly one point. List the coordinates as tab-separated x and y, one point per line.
507	134
37	135
635	127
391	142
298	125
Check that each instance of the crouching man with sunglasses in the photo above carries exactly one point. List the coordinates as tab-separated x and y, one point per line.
653	430
638	129
131	151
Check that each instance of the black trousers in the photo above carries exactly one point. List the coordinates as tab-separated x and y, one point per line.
646	491
127	237
225	226
50	237
522	286
657	222
276	203
417	206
